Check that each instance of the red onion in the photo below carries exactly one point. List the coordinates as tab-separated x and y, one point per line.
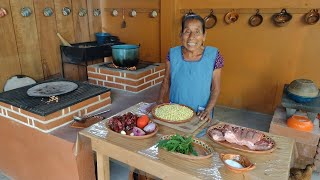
138	132
150	127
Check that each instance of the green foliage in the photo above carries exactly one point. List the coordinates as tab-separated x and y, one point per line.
178	144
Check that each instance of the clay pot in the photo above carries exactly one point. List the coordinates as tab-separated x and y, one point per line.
304	88
282	19
301	123
312	17
231	17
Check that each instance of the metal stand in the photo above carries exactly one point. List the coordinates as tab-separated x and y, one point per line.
63	61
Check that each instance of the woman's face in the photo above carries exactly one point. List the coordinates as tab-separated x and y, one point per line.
192	36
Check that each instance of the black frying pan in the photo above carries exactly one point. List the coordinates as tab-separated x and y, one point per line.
210	20
256	19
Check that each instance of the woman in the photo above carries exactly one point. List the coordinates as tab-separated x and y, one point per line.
193	71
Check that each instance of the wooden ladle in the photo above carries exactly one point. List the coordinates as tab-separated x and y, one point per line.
123	24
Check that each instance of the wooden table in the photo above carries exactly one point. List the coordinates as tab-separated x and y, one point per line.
143	155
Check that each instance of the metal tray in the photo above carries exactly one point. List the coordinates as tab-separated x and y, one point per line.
52	89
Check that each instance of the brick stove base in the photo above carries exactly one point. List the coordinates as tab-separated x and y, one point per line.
57	119
307	143
133	81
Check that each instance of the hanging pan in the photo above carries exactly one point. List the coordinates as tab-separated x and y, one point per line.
312	17
282	19
231	17
210	20
256	19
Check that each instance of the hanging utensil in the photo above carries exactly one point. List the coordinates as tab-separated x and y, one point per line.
114	13
231	17
189	12
312	17
153	14
256	19
133	13
210	20
282	19
3	12
123	24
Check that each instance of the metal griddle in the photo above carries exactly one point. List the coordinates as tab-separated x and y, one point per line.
52	89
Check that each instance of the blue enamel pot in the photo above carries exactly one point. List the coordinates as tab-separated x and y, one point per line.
101	37
125	55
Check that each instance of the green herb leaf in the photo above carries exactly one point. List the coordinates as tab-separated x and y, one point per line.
178	144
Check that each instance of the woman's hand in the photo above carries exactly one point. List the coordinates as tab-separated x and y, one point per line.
205	115
215	91
2	12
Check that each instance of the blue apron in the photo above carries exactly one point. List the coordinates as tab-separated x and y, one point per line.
191	80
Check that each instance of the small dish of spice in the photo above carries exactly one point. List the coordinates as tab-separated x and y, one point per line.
236	163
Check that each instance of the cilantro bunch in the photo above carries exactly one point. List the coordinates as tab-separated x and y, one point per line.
178	144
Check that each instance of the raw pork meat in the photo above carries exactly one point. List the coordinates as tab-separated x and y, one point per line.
242	136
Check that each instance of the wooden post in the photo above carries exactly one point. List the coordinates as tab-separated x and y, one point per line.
167	30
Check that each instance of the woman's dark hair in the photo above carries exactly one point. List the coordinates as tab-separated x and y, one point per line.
192	16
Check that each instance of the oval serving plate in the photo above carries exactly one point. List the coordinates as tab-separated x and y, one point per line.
153	112
133	137
240	147
203	149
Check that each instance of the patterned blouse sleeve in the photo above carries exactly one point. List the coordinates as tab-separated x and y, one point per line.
168	56
219	61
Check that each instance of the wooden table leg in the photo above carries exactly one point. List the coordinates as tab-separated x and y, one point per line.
103	167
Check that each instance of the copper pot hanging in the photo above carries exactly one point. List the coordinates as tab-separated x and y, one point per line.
312	17
231	17
282	19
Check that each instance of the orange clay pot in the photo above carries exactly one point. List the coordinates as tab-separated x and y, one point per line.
301	123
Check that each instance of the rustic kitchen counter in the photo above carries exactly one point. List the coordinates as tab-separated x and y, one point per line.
143	154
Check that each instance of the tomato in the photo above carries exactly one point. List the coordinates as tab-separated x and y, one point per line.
142	121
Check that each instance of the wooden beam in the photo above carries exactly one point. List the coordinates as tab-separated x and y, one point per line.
167	31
